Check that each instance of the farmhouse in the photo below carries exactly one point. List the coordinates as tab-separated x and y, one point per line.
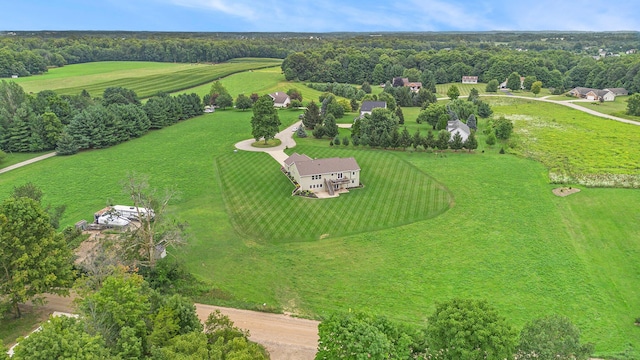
593	94
469	79
618	91
368	106
323	175
280	99
457	126
415	86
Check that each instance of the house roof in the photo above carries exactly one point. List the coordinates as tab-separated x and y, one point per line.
618	91
279	97
457	124
581	90
326	166
370	105
296	157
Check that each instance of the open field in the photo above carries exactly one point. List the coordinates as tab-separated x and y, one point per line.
576	147
465	89
14	158
145	78
506	238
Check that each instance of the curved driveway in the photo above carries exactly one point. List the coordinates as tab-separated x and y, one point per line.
276	152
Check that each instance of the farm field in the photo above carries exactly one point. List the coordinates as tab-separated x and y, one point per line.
504	237
145	78
576	147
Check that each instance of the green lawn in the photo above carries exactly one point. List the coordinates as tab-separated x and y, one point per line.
14	158
145	78
575	146
391	247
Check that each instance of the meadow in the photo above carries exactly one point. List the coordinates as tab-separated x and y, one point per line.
482	225
576	147
145	78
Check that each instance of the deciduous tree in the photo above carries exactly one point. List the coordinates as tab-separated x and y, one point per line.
492	86
550	338
536	87
34	258
265	121
243	102
469	330
453	92
513	81
633	105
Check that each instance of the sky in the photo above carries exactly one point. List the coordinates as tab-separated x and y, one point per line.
320	15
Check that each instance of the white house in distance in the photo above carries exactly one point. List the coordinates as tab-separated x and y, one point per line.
368	106
280	99
593	94
323	175
459	127
469	79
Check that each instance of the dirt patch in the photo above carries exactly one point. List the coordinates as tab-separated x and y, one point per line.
565	191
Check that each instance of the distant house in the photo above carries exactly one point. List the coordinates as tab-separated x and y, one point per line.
368	106
323	175
280	99
14	76
469	79
457	126
593	94
414	86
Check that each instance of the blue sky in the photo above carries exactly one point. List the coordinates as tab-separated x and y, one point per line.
320	15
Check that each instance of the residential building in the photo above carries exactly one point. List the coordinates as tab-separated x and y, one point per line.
368	106
280	99
457	126
469	79
323	175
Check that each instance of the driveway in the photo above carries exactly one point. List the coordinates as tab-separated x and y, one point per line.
277	152
27	162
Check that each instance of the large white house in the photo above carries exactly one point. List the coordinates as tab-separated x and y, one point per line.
323	175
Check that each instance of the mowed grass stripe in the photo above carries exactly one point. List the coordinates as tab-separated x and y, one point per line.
262	207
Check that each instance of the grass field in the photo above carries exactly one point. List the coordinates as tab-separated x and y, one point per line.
616	108
145	78
14	158
576	147
505	237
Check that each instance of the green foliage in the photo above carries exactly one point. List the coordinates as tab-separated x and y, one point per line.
536	86
552	337
345	141
311	116
330	126
502	128
336	140
528	82
34	258
119	95
361	336
431	114
243	102
442	143
463	329
513	81
484	109
462	109
265	122
456	142
453	92
378	122
61	338
400	115
471	143
66	145
491	139
633	105
405	138
318	132
366	87
301	133
473	95
224	101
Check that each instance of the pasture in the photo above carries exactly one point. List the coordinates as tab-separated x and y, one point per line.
482	225
145	78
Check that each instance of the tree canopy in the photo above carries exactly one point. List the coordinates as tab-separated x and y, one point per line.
265	122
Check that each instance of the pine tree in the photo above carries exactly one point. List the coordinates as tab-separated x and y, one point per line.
400	115
66	145
456	142
311	116
417	140
330	126
471	143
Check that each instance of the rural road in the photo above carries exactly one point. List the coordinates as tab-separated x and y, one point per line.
27	162
285	337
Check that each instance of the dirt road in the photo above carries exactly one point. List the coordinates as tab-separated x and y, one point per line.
285	337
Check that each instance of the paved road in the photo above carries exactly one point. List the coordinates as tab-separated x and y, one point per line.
286	338
27	162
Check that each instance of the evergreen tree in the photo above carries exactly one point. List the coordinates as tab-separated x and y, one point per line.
429	141
456	142
345	141
472	122
66	145
405	138
491	139
300	132
484	109
330	126
394	139
318	132
336	140
473	95
311	116
417	140
400	115
471	143
442	143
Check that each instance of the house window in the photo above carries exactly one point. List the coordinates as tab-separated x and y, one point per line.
352	181
320	185
353	173
340	176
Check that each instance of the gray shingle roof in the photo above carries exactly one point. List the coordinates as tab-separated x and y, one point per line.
370	105
457	124
326	166
296	157
279	97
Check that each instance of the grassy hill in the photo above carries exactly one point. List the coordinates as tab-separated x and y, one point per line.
390	248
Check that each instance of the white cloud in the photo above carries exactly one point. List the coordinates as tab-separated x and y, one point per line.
236	8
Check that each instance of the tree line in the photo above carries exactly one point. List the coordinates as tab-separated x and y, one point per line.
458	329
48	121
